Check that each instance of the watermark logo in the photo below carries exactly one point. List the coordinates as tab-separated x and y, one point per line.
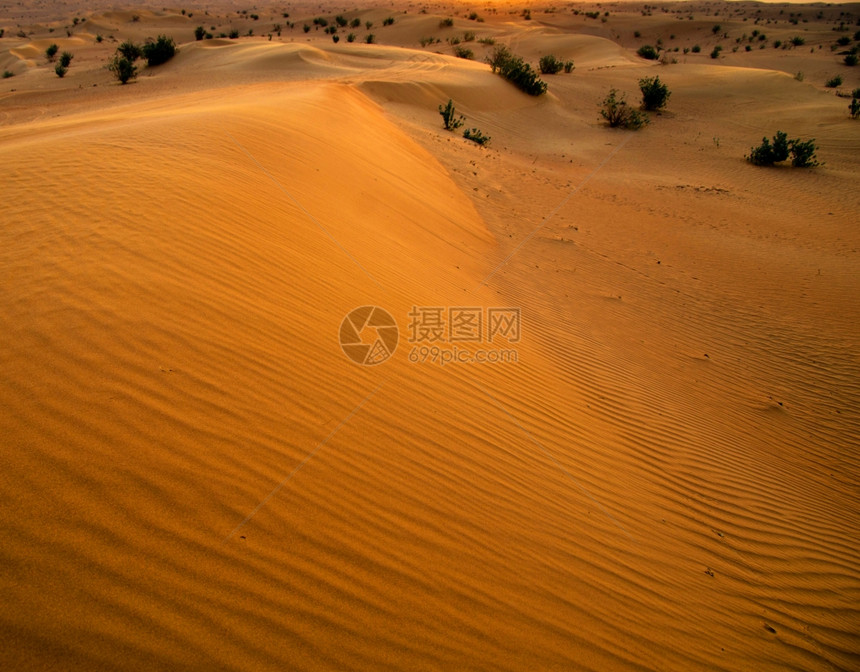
369	335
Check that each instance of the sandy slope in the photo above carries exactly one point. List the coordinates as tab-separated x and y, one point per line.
194	476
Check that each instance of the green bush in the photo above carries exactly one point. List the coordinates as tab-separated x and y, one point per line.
199	33
61	71
449	116
851	60
516	71
350	37
619	114
305	28
655	94
341	21
129	50
833	82
122	68
463	52
7	74
649	52
550	65
355	23
66	59
370	39
853	106
388	21
159	51
797	41
446	23
696	49
476	136
802	152
716	52
51	51
569	66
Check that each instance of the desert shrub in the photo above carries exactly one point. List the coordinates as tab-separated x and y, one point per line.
199	33
516	71
320	21
833	82
550	65
129	50
355	23
475	135
799	76
569	66
473	16
368	25
637	34
388	21
159	51
2	33
424	41
61	71
51	51
99	39
748	48
488	41
803	153
777	44
619	114
716	29
843	41
350	37
716	52
696	49
66	59
468	36
7	74
341	20
655	94
463	52
454	40
450	119
122	68
446	23
370	39
853	106
851	60
649	52
335	38
797	41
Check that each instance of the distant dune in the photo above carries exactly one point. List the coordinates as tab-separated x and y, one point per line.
618	427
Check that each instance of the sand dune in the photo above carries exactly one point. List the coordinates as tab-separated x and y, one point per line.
195	475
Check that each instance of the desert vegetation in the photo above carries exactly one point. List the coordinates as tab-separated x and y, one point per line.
780	149
517	71
618	114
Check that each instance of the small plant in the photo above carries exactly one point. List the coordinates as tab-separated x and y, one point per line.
716	52
833	82
122	68
446	23
853	106
370	39
305	28
99	39
463	52
368	25
388	21
655	94
350	37
475	135
340	20
550	65
487	41
619	114
569	66
8	73
797	41
648	52
449	116
159	51
716	29
469	36
767	154
696	49
637	34
802	152
517	71
355	23
51	51
851	60
66	59
799	76
129	50
199	33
